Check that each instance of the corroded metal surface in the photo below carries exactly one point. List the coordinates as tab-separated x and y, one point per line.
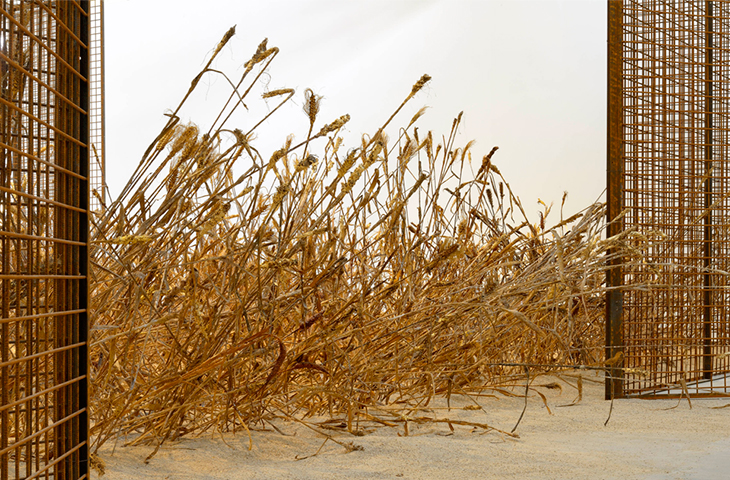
614	305
669	172
43	239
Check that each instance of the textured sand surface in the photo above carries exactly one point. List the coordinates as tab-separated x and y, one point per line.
643	440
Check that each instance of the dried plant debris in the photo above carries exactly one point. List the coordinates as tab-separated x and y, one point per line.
355	283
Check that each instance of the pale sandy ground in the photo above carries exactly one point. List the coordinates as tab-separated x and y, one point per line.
643	440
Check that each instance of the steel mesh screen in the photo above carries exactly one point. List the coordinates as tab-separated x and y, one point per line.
43	239
97	167
672	65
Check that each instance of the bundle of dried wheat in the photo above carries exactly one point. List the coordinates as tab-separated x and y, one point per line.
334	284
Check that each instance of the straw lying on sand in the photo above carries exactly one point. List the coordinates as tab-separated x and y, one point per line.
355	283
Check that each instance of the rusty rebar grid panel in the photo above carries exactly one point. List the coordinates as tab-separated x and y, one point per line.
44	130
97	150
669	172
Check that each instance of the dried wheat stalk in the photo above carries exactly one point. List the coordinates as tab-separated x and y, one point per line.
369	278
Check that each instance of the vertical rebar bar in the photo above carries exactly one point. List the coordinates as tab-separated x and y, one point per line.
81	361
614	142
707	294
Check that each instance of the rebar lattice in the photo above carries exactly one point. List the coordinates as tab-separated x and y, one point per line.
669	173
43	239
97	166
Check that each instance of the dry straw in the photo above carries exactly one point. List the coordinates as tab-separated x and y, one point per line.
356	284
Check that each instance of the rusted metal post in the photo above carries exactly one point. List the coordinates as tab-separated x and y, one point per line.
81	361
615	185
708	254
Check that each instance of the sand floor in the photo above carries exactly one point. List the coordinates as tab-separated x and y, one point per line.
643	440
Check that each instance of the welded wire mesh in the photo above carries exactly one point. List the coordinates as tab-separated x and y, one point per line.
672	65
97	169
43	239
